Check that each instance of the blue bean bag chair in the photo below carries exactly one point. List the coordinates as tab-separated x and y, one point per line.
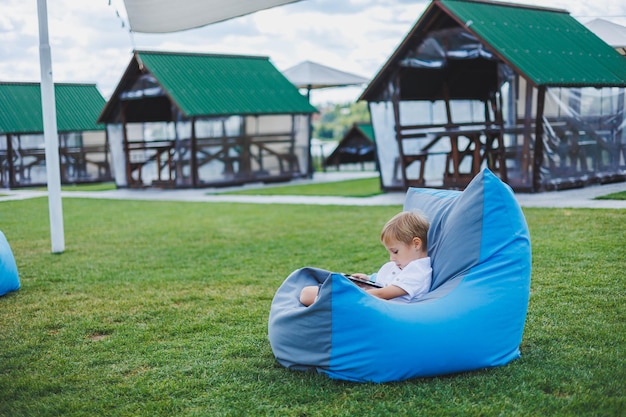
472	318
9	279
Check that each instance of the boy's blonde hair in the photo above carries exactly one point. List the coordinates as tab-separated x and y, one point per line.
404	226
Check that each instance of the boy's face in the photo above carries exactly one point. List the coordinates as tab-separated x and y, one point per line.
402	253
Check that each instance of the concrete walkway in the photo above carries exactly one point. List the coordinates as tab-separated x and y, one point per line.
575	198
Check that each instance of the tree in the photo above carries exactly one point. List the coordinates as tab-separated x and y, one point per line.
335	119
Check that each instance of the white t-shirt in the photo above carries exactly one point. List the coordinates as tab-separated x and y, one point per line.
415	278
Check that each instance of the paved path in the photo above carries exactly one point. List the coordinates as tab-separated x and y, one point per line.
574	198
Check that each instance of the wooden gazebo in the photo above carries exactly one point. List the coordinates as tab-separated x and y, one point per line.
83	149
197	120
356	147
526	91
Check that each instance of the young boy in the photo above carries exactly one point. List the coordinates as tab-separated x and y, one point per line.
408	275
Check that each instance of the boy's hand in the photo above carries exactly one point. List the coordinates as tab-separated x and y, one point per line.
362	277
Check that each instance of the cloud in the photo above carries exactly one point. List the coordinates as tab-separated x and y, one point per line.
328	7
90	44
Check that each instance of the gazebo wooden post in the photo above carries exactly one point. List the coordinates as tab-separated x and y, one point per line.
395	101
107	150
525	157
12	182
500	152
193	158
309	119
175	152
486	105
292	148
577	154
538	155
228	164
620	148
245	166
446	99
129	176
244	143
451	178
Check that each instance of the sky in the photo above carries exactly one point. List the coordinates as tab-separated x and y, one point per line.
91	41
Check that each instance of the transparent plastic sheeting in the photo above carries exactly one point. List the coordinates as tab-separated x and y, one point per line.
583	139
267	137
583	136
440	45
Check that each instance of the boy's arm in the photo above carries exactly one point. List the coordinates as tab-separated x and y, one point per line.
388	292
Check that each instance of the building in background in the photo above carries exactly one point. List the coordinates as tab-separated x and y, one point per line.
356	148
83	148
181	120
611	33
527	91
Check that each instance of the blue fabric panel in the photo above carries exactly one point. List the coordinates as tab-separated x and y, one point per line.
300	337
9	278
470	330
473	318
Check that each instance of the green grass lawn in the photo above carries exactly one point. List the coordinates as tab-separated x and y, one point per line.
613	196
362	187
99	186
160	309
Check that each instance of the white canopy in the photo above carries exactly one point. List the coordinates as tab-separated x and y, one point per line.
163	16
611	33
311	75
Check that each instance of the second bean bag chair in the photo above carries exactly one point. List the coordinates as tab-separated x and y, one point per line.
9	278
472	318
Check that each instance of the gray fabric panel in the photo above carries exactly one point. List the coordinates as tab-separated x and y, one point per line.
458	214
301	336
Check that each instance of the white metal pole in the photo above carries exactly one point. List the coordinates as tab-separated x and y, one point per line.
51	137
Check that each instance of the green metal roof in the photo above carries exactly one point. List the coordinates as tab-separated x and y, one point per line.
205	84
367	129
548	46
77	107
